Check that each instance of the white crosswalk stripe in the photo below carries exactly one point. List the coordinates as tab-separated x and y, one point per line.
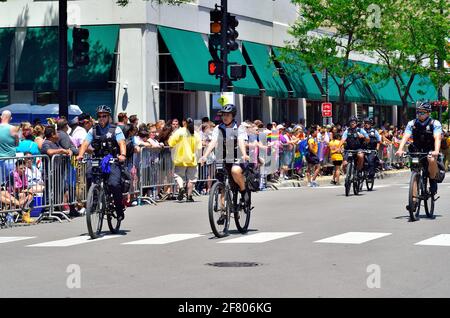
261	237
74	241
353	238
9	239
165	239
438	240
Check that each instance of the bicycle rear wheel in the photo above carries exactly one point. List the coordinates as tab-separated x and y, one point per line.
369	184
413	196
242	215
113	222
95	209
429	202
219	205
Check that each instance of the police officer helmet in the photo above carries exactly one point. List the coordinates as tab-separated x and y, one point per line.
353	118
228	108
103	109
426	106
368	120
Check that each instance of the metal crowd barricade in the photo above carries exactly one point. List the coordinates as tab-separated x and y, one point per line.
156	171
63	185
24	185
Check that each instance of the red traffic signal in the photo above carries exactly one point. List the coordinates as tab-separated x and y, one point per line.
216	21
214	67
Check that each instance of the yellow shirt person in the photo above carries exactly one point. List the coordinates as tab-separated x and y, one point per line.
336	153
185	147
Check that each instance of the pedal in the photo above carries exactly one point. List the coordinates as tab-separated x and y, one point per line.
435	199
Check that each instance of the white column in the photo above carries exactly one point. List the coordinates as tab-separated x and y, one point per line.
131	72
239	102
150	84
267	104
202	105
353	109
302	113
394	115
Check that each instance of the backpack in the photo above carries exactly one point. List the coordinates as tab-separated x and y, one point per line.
252	179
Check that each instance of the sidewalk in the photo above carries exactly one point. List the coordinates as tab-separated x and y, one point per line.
325	180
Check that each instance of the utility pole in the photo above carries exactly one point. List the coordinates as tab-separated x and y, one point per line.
224	47
63	67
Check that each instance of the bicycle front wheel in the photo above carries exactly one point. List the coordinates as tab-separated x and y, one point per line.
348	179
242	215
369	184
429	202
356	181
413	196
219	207
95	209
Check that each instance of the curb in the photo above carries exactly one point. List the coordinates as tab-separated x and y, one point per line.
326	180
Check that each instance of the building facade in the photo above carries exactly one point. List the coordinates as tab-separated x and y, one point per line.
151	60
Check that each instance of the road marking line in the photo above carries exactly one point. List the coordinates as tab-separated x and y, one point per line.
165	239
353	238
261	237
438	240
8	239
73	241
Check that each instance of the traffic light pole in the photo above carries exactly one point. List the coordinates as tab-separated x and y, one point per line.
224	48
63	95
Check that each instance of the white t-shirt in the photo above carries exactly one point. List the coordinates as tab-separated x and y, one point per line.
78	136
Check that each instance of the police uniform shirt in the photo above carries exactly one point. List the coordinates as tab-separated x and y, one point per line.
104	131
359	130
376	134
436	125
241	132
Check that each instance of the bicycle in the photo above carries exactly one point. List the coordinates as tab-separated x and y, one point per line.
365	173
418	192
353	176
100	202
223	202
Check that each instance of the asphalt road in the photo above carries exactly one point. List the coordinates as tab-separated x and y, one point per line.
306	242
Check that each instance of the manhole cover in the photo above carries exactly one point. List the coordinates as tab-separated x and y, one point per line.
234	264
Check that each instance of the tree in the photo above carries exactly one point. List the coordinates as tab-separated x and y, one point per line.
411	35
124	3
325	35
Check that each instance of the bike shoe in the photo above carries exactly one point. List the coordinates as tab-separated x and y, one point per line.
221	220
120	216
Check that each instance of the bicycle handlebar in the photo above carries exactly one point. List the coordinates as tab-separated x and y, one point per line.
112	160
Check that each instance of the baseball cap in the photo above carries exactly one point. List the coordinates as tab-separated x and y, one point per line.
280	127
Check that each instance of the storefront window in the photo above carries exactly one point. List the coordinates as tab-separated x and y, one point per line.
252	108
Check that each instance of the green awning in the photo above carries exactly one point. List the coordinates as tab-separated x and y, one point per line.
266	70
422	88
38	66
6	37
191	57
247	85
300	78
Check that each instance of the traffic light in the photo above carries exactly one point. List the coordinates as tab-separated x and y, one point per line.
214	67
215	28
80	55
232	34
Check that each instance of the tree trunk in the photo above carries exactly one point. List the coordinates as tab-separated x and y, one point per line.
404	113
343	109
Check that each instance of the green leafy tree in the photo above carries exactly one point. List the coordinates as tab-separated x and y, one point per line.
325	35
412	34
123	3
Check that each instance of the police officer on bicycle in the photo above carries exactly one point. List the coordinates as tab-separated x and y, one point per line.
374	145
426	133
354	138
235	136
107	139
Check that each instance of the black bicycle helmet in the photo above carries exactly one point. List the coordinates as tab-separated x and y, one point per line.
368	120
228	108
103	109
426	106
353	118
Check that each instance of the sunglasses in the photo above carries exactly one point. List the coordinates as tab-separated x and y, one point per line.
421	113
103	116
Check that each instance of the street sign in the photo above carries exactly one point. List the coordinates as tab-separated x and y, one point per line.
327	110
221	99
